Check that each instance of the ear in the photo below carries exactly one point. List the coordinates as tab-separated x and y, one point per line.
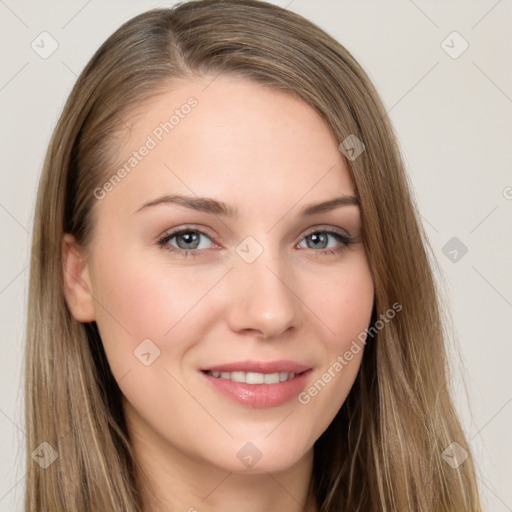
77	280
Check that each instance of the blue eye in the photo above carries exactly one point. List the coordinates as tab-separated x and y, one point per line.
321	237
188	241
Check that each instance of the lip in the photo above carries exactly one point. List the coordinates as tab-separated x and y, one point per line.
259	367
259	396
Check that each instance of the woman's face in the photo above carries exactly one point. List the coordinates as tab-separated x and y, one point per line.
228	339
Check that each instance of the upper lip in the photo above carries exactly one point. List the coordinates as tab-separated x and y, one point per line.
259	367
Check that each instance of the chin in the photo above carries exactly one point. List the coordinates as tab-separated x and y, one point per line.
265	456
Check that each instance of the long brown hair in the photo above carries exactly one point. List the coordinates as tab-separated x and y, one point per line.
383	451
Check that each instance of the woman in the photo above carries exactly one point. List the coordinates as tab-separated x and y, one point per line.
256	368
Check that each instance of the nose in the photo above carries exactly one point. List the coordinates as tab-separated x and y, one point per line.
262	298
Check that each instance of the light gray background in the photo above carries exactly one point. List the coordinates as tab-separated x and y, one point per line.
453	118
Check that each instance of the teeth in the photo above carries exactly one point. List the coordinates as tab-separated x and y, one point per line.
271	378
253	377
237	376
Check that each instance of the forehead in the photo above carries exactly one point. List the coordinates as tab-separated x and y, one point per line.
232	139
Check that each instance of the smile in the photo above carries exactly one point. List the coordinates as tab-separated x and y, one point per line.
258	384
254	377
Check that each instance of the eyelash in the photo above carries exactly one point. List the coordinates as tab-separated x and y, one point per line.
163	241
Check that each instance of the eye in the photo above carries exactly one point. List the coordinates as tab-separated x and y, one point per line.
187	241
326	241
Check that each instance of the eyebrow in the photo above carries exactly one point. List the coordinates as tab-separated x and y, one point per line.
212	206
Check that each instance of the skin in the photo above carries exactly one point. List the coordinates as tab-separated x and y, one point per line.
268	154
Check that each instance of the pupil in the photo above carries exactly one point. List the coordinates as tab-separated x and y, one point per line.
190	238
318	237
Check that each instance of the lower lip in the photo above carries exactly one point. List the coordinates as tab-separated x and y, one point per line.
259	396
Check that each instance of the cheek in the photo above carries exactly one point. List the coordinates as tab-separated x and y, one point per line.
352	307
344	301
138	301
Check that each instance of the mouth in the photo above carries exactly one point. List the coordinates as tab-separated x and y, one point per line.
254	377
258	384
